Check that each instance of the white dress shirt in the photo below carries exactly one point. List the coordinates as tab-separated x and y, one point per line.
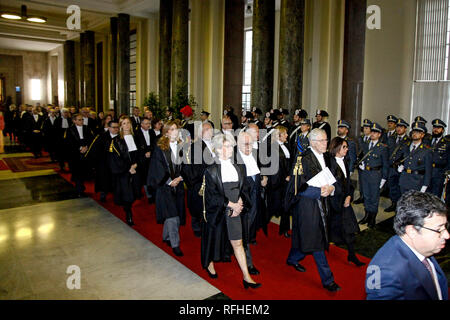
250	164
174	149
340	162
80	131
228	171
421	258
52	119
113	135
85	121
285	150
319	158
65	123
36	117
146	136
130	142
157	132
209	145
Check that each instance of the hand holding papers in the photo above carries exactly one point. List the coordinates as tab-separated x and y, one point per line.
323	178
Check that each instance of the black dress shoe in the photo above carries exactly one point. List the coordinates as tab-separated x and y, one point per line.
130	222
391	208
167	242
332	287
253	271
253	242
198	234
177	251
286	234
297	267
365	219
103	198
359	200
355	260
212	275
251	285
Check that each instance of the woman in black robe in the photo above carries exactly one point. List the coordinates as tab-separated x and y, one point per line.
343	224
278	181
122	160
225	198
164	176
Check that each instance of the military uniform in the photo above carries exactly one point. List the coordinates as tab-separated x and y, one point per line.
322	124
416	169
351	154
361	141
374	168
440	148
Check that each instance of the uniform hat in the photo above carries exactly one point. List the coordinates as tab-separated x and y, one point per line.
401	122
276	112
376	127
187	111
305	121
439	123
301	113
367	123
419	126
392	118
322	113
248	115
284	111
267	115
257	110
206	113
420	119
274	115
343	123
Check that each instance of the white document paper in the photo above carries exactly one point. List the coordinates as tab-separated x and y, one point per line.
323	178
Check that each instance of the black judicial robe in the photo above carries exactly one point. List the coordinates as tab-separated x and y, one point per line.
61	150
143	148
215	245
198	159
309	222
77	161
98	157
126	185
169	200
50	131
342	220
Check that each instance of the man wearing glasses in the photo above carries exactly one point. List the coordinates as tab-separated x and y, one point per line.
404	268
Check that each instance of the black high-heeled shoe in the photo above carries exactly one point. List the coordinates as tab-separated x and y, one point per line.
212	275
355	260
251	285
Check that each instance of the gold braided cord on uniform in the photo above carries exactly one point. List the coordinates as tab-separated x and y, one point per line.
113	148
202	194
298	170
85	155
188	159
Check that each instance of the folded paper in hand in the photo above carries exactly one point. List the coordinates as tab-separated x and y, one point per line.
323	178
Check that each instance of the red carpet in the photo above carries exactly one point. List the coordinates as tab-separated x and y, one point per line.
3	165
21	164
279	281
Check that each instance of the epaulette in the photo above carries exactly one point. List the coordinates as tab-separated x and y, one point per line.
382	144
447	138
426	146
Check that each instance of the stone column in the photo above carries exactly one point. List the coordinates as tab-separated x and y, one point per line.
69	74
82	58
233	54
353	66
123	64
290	70
89	70
165	50
262	54
113	63
180	38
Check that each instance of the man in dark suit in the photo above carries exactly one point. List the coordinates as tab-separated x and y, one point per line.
33	129
136	119
146	141
404	268
50	132
87	120
62	123
78	138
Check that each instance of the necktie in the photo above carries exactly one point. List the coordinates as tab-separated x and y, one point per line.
398	138
413	148
370	145
428	266
435	140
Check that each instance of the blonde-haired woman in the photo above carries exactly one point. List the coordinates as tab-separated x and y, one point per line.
226	198
122	159
164	176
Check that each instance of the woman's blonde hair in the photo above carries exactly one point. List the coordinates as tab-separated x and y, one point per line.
122	119
164	142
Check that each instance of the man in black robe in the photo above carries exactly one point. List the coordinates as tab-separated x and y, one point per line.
146	140
309	207
62	123
50	132
33	130
77	140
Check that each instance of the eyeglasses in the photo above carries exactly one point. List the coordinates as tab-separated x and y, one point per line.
441	232
344	147
228	123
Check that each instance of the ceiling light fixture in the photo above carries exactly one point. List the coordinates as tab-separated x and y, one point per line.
23	15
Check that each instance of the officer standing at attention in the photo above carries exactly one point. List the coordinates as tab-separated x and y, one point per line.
363	139
417	168
440	146
396	156
295	130
321	124
374	166
391	124
303	138
342	131
427	138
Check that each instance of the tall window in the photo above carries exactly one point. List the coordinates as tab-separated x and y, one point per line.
132	69
35	89
246	88
431	86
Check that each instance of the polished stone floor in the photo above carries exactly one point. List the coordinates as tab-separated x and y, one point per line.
39	243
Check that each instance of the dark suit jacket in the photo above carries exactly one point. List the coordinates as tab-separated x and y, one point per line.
402	276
